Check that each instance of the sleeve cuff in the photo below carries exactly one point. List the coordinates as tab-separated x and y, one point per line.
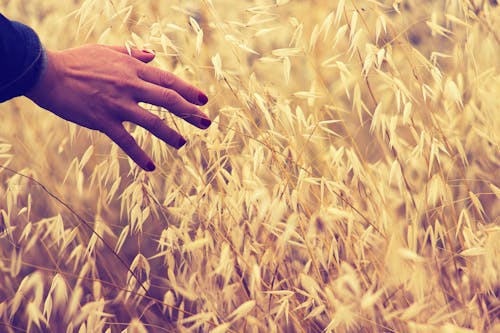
35	64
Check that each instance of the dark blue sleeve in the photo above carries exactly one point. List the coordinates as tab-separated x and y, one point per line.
22	58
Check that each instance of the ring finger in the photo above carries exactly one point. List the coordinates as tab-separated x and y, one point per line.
156	126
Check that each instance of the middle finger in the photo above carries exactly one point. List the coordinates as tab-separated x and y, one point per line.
156	126
173	102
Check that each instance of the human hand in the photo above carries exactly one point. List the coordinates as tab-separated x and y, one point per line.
99	87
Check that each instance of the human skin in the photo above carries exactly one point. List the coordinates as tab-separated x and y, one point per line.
99	87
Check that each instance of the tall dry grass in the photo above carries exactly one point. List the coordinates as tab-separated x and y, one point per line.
349	182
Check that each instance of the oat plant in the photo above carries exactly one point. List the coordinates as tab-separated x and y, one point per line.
350	181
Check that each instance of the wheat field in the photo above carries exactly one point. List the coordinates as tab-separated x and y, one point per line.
350	181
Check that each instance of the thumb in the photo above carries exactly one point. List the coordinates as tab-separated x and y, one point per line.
142	55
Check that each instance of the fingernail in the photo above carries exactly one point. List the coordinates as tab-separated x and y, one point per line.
150	166
150	52
202	98
205	122
181	143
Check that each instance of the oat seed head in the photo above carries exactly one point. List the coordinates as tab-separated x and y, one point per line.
349	181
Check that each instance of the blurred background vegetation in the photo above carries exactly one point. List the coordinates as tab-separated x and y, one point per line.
349	182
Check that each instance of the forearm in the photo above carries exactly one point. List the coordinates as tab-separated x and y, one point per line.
22	59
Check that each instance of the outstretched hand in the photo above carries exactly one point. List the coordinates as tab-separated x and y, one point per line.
99	87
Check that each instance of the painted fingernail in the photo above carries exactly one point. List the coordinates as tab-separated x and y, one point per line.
202	98
150	52
205	123
181	143
150	166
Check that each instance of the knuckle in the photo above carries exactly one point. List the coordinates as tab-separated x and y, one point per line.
167	79
129	60
170	98
120	85
154	124
192	92
142	70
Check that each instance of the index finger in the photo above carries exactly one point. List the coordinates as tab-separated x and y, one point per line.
168	80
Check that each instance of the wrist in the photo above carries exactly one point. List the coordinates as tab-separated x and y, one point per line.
46	78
